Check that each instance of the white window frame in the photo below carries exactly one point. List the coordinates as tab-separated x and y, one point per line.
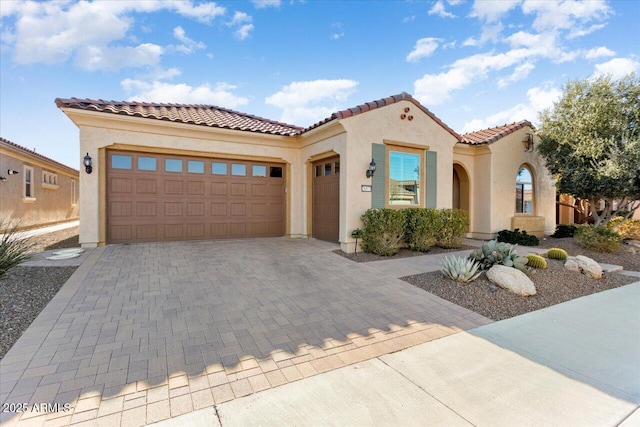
31	197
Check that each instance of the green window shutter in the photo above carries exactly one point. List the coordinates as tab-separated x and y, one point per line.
432	179
379	154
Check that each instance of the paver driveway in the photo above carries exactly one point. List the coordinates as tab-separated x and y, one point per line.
146	332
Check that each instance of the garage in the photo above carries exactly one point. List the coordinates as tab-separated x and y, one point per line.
163	197
326	199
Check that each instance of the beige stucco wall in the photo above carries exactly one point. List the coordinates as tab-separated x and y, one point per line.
494	168
385	126
50	204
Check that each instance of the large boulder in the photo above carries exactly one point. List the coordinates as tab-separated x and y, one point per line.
511	279
584	265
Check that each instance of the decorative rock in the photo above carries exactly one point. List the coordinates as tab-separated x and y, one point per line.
511	279
584	265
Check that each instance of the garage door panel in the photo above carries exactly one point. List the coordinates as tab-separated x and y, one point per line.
195	209
219	188
120	185
219	209
173	187
238	189
195	187
214	200
146	208
172	208
121	209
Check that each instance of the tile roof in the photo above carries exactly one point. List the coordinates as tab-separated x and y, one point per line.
25	150
363	108
204	115
491	135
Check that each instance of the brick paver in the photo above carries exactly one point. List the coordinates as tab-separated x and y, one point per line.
145	332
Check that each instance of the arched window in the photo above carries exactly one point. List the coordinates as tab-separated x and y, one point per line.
524	191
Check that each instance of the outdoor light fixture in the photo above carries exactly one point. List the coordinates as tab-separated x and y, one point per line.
528	142
87	163
12	172
372	168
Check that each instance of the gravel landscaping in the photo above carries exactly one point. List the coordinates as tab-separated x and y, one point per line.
554	285
624	257
25	291
402	253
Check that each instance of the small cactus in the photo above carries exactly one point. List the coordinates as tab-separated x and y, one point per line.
536	261
557	253
460	269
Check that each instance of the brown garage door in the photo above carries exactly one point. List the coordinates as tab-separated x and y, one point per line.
326	199
153	197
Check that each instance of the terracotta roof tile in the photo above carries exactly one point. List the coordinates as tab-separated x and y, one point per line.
491	135
204	115
35	154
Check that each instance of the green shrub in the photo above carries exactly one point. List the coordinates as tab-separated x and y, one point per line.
601	239
492	253
460	269
420	227
557	253
382	231
536	261
564	230
517	237
452	224
626	228
13	249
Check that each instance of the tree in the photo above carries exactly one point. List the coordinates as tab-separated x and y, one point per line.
590	142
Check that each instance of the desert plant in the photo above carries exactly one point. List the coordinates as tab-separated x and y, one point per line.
460	269
420	227
452	225
564	230
13	248
626	228
536	261
598	238
492	253
557	253
517	237
382	231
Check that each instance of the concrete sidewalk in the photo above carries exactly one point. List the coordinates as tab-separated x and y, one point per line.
573	364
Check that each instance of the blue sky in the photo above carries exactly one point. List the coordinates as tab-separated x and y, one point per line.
473	64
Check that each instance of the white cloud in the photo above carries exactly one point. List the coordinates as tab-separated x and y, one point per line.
409	19
261	4
54	32
188	44
221	94
243	23
567	15
423	49
439	9
539	98
598	52
93	58
521	72
337	36
617	67
492	11
308	102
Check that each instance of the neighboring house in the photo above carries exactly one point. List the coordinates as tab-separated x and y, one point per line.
188	172
35	190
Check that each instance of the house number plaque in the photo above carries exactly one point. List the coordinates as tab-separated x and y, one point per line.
365	188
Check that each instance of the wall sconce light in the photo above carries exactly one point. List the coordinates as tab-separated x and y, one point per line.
12	172
87	163
372	168
528	142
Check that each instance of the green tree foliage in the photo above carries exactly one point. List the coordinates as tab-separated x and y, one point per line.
590	141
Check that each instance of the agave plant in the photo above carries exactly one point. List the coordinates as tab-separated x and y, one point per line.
492	253
460	269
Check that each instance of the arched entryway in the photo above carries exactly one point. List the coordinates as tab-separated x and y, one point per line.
460	188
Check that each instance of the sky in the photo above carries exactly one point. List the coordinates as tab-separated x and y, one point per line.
474	64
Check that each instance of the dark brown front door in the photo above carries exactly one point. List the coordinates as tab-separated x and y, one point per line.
326	199
159	197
